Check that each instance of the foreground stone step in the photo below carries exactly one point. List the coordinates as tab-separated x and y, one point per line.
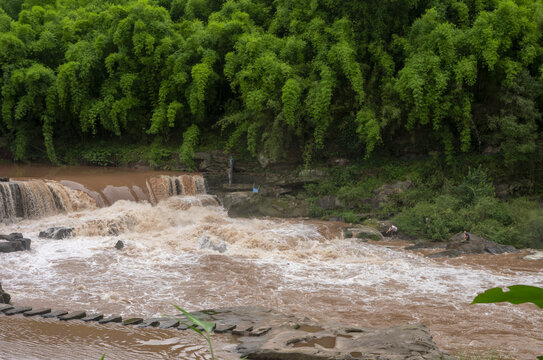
73	315
18	310
37	312
133	321
93	317
5	307
112	318
54	314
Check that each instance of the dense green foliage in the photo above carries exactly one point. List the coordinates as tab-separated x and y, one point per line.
439	202
318	77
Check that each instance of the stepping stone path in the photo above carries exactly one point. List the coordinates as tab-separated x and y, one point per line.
37	312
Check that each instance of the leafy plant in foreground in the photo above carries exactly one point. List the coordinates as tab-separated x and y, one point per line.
206	325
517	294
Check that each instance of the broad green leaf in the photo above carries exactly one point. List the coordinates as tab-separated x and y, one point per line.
517	294
207	326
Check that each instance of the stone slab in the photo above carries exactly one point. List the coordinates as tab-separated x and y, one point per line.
18	310
110	319
54	314
168	324
37	312
5	307
93	317
133	321
73	315
149	323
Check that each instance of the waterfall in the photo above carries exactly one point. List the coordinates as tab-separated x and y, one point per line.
38	198
165	186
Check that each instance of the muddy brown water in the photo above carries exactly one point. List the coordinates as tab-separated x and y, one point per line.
297	266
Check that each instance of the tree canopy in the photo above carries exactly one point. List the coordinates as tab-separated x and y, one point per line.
316	76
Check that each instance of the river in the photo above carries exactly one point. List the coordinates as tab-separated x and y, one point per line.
299	267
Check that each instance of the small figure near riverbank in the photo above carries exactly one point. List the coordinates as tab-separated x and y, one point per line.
230	170
466	236
392	230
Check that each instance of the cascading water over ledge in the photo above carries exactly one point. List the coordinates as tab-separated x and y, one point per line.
35	198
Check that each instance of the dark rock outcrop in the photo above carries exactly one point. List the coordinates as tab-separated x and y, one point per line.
14	242
476	245
4	296
249	204
119	245
57	233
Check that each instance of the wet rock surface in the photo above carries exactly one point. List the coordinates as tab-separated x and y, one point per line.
119	245
268	334
14	242
456	246
206	243
57	233
4	296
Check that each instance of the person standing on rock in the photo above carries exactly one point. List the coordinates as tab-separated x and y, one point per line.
392	230
466	236
230	170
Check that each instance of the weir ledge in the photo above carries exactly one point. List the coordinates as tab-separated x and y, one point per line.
267	334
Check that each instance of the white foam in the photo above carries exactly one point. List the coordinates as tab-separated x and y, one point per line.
162	255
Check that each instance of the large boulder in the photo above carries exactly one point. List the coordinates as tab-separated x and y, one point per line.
476	245
4	296
57	233
248	204
14	242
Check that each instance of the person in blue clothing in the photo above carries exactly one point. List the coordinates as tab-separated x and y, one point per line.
466	235
230	170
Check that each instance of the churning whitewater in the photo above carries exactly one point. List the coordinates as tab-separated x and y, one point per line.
182	248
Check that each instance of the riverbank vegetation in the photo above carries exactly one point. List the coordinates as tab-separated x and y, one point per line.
319	77
438	201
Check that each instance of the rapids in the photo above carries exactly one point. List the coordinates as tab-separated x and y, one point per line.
295	266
